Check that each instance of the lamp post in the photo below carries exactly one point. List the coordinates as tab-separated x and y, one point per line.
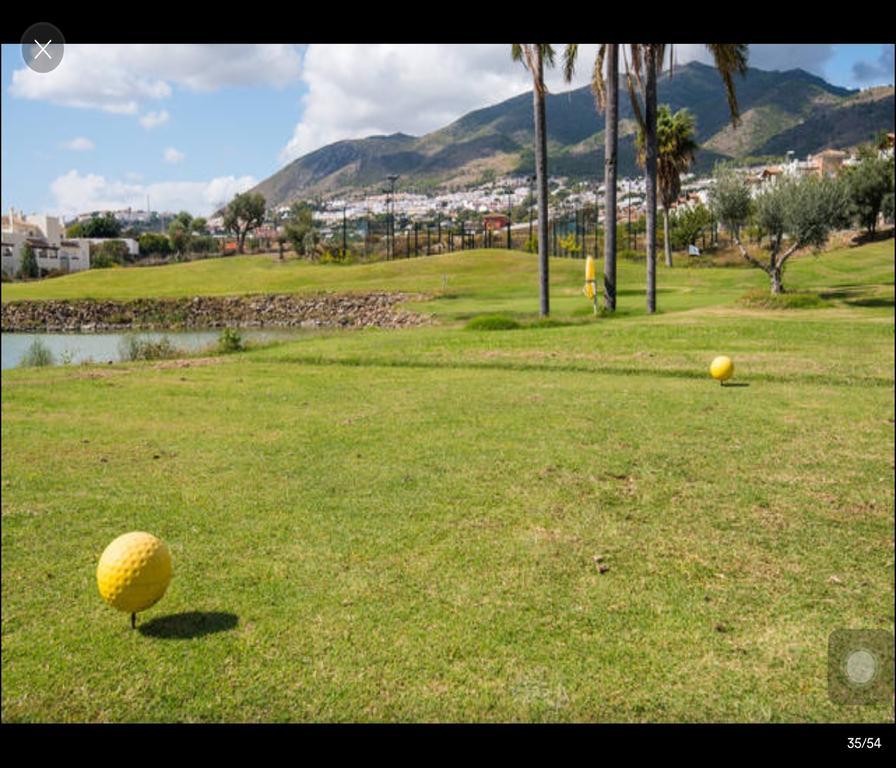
390	216
509	215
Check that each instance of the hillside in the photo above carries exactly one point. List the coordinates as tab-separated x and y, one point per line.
780	111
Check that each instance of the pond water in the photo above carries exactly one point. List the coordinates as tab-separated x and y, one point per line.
105	347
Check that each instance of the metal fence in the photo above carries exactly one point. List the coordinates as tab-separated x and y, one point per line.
572	233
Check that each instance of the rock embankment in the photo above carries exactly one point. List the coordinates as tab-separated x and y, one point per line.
367	310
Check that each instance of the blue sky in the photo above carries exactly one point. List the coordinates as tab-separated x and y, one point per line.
84	136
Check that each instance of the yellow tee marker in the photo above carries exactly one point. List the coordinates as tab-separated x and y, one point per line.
590	281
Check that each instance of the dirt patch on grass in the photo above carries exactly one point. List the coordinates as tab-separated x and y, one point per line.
188	362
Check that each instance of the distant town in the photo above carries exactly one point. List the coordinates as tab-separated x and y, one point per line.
485	209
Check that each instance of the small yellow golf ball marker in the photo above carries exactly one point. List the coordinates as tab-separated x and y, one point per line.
134	571
722	368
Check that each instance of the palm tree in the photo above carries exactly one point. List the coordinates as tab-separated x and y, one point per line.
534	56
606	89
647	60
676	148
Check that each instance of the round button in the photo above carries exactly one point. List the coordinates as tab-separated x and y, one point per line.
861	667
42	47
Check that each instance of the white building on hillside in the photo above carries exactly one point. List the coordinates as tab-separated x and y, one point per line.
46	237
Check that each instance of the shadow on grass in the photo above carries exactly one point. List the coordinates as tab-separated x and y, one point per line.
876	301
735	384
186	626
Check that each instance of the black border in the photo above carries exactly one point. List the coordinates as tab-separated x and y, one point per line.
403	22
406	23
556	744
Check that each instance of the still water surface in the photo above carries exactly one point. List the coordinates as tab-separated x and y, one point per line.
103	347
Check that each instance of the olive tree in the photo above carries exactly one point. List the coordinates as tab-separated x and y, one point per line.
688	223
243	214
299	229
794	213
869	183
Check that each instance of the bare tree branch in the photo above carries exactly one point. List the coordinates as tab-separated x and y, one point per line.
755	262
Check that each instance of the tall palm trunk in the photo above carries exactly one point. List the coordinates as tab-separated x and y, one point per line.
611	144
667	244
650	174
541	175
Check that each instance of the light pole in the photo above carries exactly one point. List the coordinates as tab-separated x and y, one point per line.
390	216
509	215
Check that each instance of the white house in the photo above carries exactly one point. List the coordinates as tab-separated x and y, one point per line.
46	236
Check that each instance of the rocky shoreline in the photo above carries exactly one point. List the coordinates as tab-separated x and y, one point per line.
368	310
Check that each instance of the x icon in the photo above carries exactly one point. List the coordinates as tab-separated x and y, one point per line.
43	49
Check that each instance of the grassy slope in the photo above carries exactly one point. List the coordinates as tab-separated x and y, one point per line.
479	280
403	523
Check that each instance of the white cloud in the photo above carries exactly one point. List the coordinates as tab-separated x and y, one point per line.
359	90
120	78
76	193
877	72
767	56
154	119
173	156
79	144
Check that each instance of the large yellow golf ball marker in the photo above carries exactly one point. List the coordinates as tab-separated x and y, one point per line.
134	571
722	368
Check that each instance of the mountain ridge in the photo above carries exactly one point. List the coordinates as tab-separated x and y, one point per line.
781	110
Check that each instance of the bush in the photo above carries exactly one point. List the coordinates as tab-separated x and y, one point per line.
230	340
137	348
760	299
204	244
109	254
492	323
154	244
37	355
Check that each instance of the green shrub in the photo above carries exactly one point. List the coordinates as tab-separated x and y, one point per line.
37	355
108	254
137	348
762	299
492	323
230	340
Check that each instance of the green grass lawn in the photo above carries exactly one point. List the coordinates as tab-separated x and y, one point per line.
402	525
